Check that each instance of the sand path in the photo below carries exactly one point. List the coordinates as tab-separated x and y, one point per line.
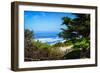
66	48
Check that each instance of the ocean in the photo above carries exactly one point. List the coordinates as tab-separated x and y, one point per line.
48	37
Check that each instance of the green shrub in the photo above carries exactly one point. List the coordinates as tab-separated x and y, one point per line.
40	45
82	43
73	55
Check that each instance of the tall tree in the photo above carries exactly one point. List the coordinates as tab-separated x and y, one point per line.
76	27
78	31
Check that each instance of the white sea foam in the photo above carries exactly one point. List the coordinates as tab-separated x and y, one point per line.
50	40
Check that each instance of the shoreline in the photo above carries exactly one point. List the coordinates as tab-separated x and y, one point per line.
50	41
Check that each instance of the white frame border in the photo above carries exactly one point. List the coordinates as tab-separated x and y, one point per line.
34	64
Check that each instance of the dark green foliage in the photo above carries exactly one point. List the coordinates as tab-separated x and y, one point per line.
77	27
73	55
28	44
78	33
77	54
82	43
68	42
28	34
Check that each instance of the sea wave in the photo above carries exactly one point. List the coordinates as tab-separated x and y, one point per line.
50	40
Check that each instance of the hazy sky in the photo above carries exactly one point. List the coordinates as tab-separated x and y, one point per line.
44	21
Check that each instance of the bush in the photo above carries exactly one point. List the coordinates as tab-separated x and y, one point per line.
77	54
40	45
82	43
47	52
73	55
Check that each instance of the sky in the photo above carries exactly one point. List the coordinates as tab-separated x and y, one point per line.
44	21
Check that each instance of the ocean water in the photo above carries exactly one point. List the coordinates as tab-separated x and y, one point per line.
48	37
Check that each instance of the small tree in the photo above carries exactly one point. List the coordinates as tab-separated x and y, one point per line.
28	36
